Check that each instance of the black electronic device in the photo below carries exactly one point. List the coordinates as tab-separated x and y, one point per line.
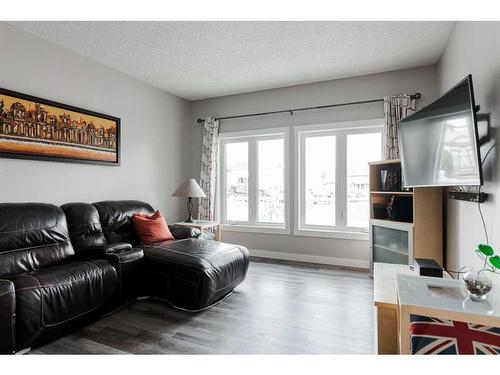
428	267
439	144
467	196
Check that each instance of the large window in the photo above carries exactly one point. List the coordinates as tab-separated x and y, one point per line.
319	184
253	179
236	181
271	180
362	148
332	192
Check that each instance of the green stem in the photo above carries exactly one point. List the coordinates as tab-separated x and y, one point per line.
485	269
484	258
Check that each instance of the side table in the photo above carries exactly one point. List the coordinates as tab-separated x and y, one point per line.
443	299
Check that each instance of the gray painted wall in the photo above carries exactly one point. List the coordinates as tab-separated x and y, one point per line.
155	139
153	129
474	47
343	90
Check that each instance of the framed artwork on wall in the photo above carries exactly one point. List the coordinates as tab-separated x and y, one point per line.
35	128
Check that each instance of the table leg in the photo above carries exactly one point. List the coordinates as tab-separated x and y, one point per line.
387	330
404	330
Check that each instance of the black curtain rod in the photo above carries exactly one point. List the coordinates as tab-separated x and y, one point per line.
291	111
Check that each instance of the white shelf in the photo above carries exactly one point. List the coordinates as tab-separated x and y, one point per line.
400	225
391	249
409	193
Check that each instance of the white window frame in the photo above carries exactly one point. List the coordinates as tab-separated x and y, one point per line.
340	130
252	137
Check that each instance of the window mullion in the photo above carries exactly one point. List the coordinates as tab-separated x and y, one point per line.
252	181
341	176
300	186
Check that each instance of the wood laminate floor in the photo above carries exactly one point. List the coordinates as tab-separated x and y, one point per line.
281	308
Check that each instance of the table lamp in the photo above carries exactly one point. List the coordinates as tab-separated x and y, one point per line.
189	189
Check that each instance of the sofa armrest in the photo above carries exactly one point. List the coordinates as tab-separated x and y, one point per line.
180	232
100	251
116	254
126	260
206	235
7	317
117	248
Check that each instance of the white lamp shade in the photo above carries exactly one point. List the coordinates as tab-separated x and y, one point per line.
189	189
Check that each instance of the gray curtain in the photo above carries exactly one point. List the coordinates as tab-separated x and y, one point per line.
208	169
396	108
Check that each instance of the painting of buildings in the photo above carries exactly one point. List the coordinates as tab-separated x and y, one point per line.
35	128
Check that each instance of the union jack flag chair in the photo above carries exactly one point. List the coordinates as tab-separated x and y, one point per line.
430	335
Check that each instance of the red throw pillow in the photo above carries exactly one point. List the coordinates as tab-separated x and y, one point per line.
152	228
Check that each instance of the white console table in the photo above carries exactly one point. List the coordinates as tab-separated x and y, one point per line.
443	299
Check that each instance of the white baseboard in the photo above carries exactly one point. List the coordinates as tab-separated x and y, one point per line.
333	261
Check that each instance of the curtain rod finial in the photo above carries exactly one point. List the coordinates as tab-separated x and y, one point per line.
200	121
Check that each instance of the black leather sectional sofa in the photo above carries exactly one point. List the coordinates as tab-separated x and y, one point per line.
61	267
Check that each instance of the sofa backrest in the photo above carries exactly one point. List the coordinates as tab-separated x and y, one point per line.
32	236
116	219
84	226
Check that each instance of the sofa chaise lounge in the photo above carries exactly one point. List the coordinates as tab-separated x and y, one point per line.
61	267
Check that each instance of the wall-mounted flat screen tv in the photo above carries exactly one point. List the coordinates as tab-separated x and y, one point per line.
439	144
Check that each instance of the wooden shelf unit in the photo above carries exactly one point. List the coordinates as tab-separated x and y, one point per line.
427	213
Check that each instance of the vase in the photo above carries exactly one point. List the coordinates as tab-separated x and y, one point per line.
383	179
478	285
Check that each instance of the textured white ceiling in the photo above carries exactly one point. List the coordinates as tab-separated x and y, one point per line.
196	60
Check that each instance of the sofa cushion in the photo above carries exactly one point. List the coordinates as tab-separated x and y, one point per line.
51	299
7	316
84	226
181	232
116	219
194	273
32	236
